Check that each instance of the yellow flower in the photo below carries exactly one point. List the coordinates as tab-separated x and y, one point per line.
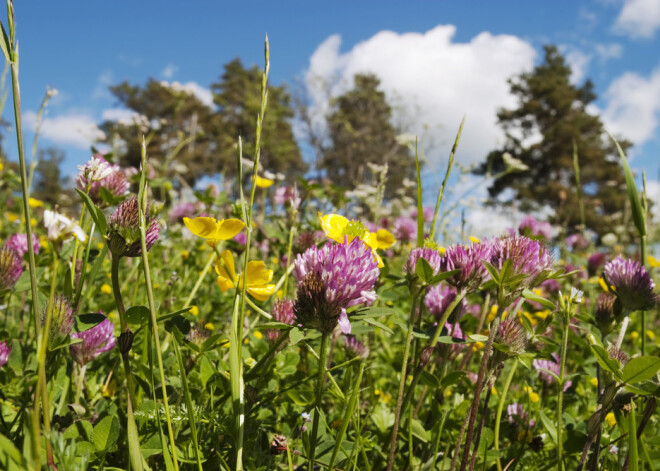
494	391
209	326
258	335
100	245
250	362
478	346
533	397
35	203
212	230
442	250
653	262
185	254
106	289
194	310
594	382
257	277
12	217
109	389
650	335
634	335
474	240
264	182
385	239
33	221
610	419
338	228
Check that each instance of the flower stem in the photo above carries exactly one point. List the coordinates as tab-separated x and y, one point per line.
319	396
560	393
402	384
201	277
500	407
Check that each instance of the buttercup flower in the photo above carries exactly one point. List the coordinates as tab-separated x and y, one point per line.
338	228
97	340
5	350
632	284
332	279
10	268
264	182
60	227
212	230
257	277
18	243
124	230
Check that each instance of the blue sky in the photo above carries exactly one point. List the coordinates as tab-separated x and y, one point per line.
437	60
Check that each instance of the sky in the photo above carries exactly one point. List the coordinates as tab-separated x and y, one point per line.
437	61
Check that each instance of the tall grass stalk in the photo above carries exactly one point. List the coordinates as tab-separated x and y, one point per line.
238	313
500	407
323	358
441	192
578	185
10	50
142	209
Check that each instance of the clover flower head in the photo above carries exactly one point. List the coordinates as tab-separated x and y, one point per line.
124	230
61	228
528	257
18	243
287	195
469	260
332	279
439	297
10	268
405	229
282	311
632	284
5	350
432	256
61	321
99	173
595	261
355	348
95	341
532	227
550	365
198	335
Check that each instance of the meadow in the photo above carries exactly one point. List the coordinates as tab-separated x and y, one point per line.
293	326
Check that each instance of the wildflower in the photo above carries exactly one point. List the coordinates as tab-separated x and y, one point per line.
527	257
99	173
282	311
594	382
427	213
431	256
181	210
97	340
511	339
652	261
287	195
533	228
338	228
263	182
550	366
61	320
257	277
124	230
18	243
610	419
278	444
439	297
405	229
106	288
594	262
605	312
577	241
194	310
10	268
516	413
35	203
332	279
469	260
214	231
61	228
385	239
355	348
5	350
632	284
93	171
198	335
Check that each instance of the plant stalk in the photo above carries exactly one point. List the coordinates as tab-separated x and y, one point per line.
319	397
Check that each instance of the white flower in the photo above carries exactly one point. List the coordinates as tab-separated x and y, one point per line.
95	170
61	227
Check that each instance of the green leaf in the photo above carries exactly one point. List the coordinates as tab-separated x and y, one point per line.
137	315
633	195
530	295
442	276
105	433
87	321
605	362
641	369
295	335
494	272
133	440
11	451
633	457
97	214
380	325
423	270
418	430
371	312
549	426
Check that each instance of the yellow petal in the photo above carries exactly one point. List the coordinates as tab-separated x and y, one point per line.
385	239
202	226
228	228
225	266
379	260
333	225
257	274
653	262
264	182
261	293
224	283
371	240
35	203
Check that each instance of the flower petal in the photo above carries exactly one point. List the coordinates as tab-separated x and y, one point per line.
202	226
228	228
264	182
224	283
344	323
261	293
333	225
257	274
385	239
225	266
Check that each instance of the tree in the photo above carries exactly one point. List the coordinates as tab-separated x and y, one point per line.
181	131
238	97
552	115
49	185
360	132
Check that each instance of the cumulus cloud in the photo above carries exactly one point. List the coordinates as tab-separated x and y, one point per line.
578	61
633	106
439	79
609	51
639	18
169	71
77	130
193	88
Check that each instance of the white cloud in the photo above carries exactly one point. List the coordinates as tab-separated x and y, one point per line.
609	51
103	82
169	71
639	18
441	80
633	106
193	88
77	130
578	61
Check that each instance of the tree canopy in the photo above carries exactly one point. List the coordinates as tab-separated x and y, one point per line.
551	116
